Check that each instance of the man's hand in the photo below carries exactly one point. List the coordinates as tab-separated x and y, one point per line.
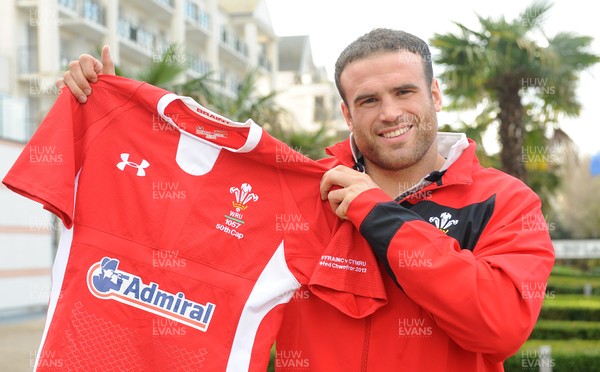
85	70
341	185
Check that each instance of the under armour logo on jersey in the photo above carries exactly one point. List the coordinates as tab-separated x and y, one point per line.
443	222
140	167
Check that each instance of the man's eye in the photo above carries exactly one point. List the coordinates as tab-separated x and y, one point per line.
368	100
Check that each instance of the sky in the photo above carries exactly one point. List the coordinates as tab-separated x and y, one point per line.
333	24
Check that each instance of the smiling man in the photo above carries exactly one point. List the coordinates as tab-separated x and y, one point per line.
450	234
392	112
390	104
466	274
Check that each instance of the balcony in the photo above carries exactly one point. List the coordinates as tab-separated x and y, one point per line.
27	60
264	62
198	66
233	42
169	3
27	4
228	83
162	10
199	23
138	44
83	17
232	49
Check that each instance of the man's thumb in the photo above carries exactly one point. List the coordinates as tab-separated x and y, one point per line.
108	67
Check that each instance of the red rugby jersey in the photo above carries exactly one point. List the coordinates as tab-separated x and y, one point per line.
186	232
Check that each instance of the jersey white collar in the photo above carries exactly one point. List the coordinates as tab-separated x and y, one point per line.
254	131
195	155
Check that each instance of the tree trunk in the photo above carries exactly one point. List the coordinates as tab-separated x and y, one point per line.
511	132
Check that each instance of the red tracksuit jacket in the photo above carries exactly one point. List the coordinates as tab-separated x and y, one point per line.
467	261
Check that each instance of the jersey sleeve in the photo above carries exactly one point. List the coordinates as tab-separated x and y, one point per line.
347	275
333	259
45	170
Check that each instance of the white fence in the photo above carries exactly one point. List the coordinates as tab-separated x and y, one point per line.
577	249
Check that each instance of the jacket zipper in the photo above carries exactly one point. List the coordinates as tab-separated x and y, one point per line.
365	353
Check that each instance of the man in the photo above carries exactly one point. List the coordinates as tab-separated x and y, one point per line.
465	271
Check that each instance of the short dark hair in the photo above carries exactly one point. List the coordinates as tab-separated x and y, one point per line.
379	41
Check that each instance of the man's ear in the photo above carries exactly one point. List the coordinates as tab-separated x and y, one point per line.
436	95
347	116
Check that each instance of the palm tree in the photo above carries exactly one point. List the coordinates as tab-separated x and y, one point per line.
512	69
165	71
476	131
246	103
579	202
309	143
162	71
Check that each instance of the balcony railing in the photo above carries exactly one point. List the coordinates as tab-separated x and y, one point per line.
198	65
197	15
91	10
170	3
233	42
263	61
229	83
141	36
28	59
69	4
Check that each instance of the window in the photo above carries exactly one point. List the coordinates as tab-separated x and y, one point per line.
13	118
320	113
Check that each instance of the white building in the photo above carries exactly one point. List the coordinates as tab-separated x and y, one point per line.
26	245
40	37
307	92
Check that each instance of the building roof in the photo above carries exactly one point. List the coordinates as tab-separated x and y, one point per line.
255	9
295	53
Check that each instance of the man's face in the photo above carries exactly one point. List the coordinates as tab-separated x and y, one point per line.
391	110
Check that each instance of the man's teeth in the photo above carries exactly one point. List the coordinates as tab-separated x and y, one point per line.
396	133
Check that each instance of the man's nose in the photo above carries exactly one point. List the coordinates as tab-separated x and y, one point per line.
390	110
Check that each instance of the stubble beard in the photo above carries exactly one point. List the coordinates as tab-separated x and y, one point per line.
405	155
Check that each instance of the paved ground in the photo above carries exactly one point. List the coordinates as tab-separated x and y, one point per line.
19	341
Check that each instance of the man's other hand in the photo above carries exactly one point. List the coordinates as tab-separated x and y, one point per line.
84	71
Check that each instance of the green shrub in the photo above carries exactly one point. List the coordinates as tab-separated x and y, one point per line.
565	330
553	289
271	367
559	363
561	270
571	307
589	266
565	313
558	284
566	355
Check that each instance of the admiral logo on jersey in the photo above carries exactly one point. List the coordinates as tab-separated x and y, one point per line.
106	282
